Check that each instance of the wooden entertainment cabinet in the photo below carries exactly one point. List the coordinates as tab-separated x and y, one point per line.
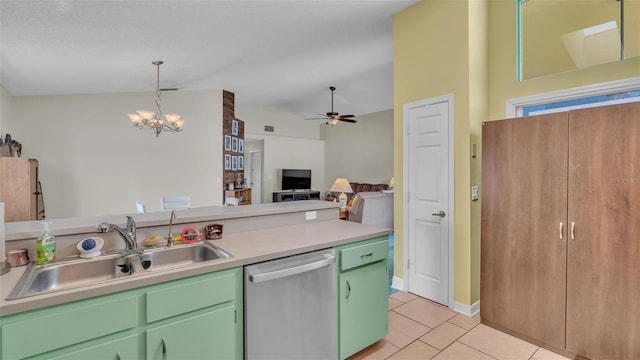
295	195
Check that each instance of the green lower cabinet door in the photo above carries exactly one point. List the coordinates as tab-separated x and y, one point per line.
120	349
206	336
363	307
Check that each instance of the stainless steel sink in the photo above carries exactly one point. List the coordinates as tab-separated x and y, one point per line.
181	255
69	274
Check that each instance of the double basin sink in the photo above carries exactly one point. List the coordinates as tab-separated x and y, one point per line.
69	274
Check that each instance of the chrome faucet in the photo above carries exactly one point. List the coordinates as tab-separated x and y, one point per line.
128	235
129	261
169	237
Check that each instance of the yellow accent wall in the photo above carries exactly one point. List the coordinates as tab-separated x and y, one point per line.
468	48
502	67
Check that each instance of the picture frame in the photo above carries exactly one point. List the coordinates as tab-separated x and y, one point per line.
240	162
241	146
234	127
234	163
234	144
227	162
227	142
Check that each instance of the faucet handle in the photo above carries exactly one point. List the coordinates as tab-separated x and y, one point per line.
102	228
131	226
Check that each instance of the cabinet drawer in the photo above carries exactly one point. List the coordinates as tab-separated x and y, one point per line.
39	333
121	349
363	254
183	296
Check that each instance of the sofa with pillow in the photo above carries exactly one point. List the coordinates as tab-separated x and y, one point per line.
372	208
357	188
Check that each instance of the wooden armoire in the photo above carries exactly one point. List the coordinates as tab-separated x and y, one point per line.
19	190
560	252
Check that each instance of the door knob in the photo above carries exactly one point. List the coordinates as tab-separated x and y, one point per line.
440	213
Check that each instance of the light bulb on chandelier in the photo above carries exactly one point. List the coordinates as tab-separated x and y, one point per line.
145	119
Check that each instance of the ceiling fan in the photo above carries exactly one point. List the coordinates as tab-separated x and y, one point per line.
333	117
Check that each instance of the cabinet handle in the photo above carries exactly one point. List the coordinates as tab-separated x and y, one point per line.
164	349
366	255
348	289
560	230
573	230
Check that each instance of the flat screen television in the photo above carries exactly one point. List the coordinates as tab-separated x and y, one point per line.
296	179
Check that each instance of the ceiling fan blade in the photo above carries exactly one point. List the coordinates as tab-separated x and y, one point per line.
346	116
347	120
318	118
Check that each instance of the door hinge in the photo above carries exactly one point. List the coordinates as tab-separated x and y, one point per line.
235	316
408	263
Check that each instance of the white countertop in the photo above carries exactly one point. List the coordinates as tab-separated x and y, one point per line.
246	247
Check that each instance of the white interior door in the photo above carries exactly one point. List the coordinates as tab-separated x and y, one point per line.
255	176
428	206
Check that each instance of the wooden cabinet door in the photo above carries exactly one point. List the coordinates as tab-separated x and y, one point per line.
17	188
603	268
524	203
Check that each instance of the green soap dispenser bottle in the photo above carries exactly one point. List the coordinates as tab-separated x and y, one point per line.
46	245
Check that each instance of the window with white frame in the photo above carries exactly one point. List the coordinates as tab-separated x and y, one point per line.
614	92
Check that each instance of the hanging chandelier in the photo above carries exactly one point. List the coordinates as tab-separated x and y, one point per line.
145	119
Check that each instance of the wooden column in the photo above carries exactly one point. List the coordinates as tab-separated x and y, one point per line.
232	141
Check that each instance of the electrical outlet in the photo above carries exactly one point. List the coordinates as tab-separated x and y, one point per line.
310	215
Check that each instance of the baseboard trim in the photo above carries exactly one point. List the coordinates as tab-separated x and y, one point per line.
469	310
397	283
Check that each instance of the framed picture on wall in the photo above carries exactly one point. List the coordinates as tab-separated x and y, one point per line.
241	146
240	162
234	144
227	143
234	163
227	162
234	127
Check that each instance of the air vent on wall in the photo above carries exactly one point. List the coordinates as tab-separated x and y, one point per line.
268	128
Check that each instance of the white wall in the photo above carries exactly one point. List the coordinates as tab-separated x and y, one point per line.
7	119
361	152
289	153
93	162
285	123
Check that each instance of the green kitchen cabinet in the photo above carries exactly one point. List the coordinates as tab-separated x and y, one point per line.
205	336
56	330
197	317
205	324
363	302
120	349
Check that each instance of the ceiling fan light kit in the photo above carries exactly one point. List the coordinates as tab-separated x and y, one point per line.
333	117
146	119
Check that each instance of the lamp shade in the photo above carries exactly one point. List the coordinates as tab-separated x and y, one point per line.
341	185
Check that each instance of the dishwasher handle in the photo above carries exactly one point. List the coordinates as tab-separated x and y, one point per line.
278	274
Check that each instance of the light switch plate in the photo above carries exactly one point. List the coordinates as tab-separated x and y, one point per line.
474	193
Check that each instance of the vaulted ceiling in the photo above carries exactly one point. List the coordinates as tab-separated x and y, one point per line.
282	53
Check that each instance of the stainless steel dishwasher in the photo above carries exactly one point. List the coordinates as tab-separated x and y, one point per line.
291	308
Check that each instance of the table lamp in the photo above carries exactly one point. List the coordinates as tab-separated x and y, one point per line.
342	186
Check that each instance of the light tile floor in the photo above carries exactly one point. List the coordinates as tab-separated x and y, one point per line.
420	329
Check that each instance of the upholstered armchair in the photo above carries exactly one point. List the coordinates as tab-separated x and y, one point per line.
372	208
